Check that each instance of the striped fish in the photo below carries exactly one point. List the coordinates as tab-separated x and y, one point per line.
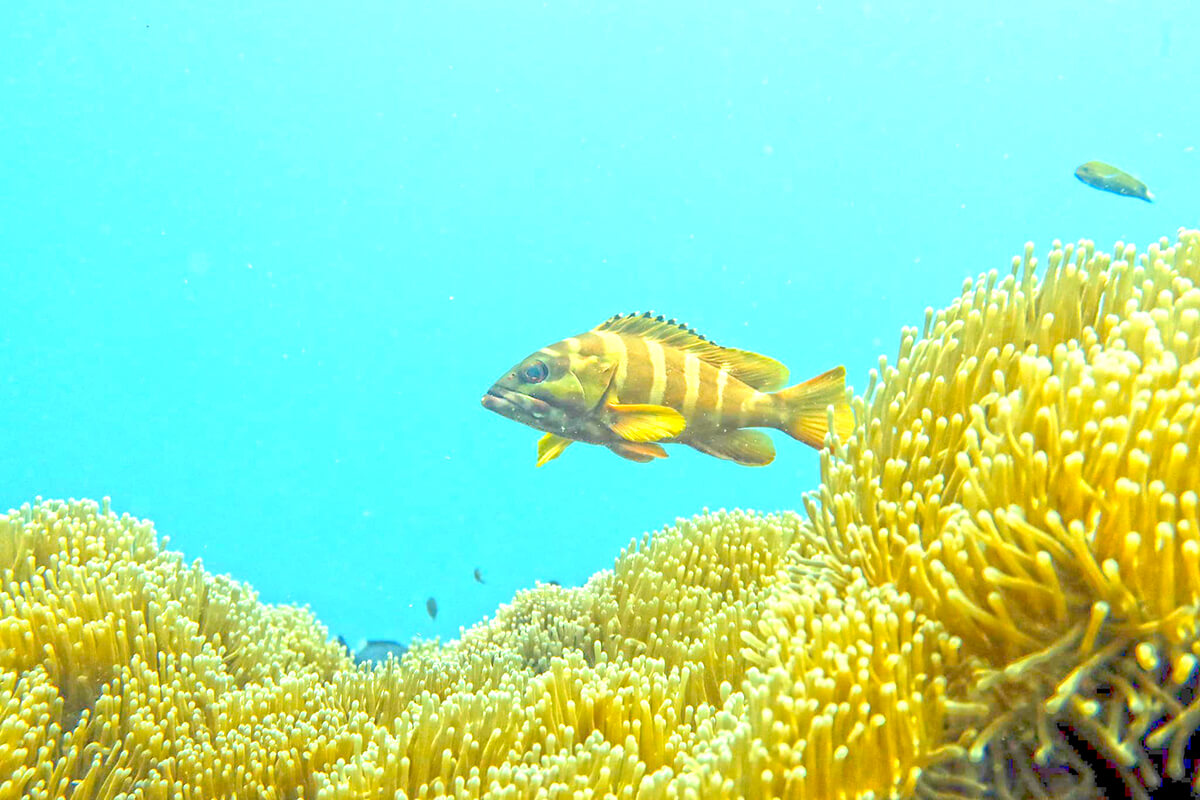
639	381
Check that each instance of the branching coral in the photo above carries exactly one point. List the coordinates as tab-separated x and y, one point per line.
998	579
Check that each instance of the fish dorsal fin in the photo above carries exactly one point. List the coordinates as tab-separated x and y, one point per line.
752	369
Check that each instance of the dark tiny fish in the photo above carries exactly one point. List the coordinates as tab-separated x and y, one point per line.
479	576
341	640
431	607
1108	178
378	651
638	381
553	582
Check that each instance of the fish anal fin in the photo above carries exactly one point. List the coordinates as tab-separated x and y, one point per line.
746	447
638	451
644	423
551	447
757	371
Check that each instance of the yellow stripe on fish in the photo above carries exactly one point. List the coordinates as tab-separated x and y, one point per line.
639	380
691	382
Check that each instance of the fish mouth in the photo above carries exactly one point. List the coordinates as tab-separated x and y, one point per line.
515	405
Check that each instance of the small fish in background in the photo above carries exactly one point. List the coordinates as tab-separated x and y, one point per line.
637	381
553	582
431	607
373	650
479	576
1108	178
378	650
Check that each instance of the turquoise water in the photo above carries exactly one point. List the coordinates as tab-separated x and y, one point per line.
260	263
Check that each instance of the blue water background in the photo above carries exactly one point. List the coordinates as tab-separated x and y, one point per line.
260	261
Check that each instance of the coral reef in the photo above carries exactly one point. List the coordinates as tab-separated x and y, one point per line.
995	593
1027	475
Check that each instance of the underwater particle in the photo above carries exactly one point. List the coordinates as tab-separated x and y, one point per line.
638	380
379	650
1108	178
479	576
431	607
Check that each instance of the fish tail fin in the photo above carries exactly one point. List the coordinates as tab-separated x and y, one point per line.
805	408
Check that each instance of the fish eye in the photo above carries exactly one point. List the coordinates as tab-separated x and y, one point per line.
535	372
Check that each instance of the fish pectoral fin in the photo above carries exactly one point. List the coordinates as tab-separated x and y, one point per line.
644	423
638	451
748	448
551	447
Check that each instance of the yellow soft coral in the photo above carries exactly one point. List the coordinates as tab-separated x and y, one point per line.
998	577
141	671
1027	473
164	679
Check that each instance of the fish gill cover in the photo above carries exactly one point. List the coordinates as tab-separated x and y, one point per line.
994	593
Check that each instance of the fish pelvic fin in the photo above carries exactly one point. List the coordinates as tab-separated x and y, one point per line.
804	405
550	447
640	452
746	447
636	422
